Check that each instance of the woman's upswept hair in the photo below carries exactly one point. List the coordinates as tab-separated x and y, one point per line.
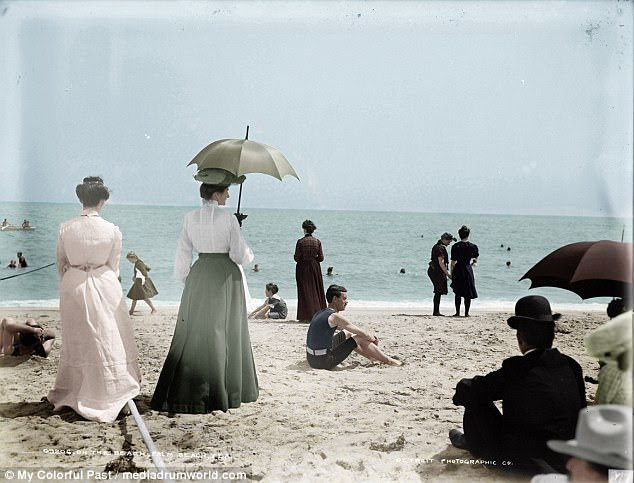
207	190
92	191
309	226
463	232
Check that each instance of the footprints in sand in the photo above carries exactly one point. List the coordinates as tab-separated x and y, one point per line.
347	466
388	447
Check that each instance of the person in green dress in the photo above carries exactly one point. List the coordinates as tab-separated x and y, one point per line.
142	288
210	362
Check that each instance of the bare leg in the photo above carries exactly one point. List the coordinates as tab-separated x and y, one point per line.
6	337
457	304
261	314
371	351
48	345
149	302
132	307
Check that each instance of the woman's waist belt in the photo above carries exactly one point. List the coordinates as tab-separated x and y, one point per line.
87	267
317	352
213	255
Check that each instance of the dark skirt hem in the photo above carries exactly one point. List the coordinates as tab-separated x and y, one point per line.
209	366
196	409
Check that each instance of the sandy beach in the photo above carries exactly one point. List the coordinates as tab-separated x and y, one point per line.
362	422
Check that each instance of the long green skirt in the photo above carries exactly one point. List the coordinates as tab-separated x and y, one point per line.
210	363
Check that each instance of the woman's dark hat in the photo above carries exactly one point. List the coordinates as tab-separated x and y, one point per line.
447	236
533	308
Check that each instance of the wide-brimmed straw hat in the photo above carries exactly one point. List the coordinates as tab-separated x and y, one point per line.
532	308
603	436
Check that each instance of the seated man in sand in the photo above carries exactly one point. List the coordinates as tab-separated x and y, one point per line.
273	307
541	391
325	349
24	338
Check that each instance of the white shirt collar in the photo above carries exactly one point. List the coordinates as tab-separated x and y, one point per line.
89	212
210	202
530	350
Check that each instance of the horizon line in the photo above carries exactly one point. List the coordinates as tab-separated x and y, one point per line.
484	213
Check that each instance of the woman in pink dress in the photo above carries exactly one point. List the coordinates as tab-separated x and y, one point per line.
98	371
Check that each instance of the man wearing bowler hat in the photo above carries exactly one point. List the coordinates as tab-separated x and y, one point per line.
541	391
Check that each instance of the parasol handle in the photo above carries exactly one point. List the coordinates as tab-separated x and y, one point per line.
240	216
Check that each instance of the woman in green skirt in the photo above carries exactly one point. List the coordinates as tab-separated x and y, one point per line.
210	363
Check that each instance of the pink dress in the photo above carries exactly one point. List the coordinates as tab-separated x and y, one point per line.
98	370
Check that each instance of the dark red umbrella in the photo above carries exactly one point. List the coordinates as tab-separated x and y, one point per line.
589	269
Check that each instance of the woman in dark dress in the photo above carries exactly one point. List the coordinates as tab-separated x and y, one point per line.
438	270
310	284
464	255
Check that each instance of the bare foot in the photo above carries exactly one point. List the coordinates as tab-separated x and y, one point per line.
394	362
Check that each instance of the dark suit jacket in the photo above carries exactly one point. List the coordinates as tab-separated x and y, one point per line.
541	392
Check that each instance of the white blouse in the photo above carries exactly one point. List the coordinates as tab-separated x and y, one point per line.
88	240
209	229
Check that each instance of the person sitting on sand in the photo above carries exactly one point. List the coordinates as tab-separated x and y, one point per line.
25	338
325	349
542	392
611	343
273	307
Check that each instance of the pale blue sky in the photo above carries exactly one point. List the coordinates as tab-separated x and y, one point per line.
467	106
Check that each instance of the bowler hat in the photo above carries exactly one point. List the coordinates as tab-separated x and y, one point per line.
532	308
603	436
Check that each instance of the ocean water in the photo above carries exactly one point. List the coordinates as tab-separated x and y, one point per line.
366	249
